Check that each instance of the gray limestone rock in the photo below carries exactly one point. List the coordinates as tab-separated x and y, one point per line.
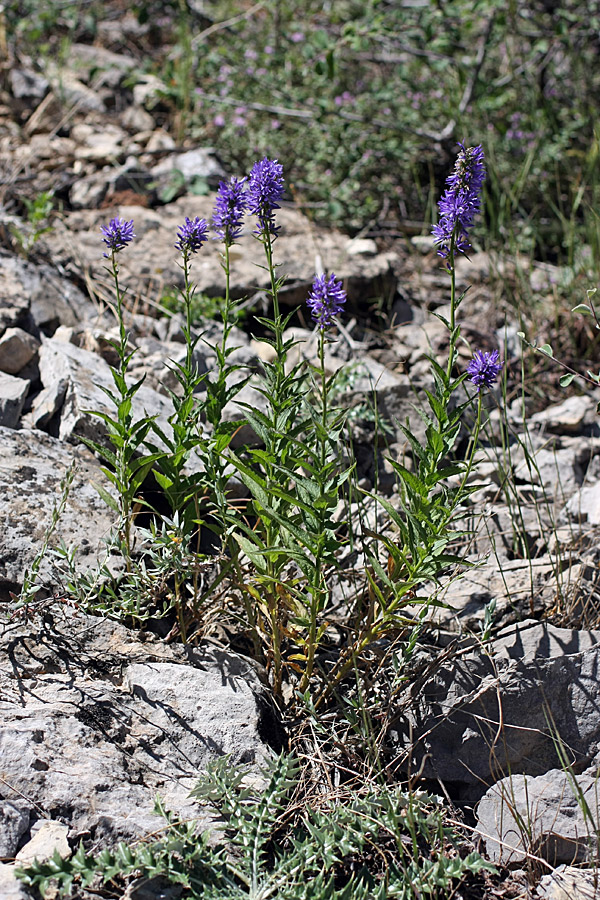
147	90
14	822
32	465
93	58
25	84
569	417
189	705
104	146
95	721
584	506
50	837
85	374
513	584
46	405
473	718
569	883
72	91
13	392
17	348
551	816
560	470
10	886
39	297
143	267
89	191
198	163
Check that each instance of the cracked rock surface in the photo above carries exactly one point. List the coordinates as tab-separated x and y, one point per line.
85	702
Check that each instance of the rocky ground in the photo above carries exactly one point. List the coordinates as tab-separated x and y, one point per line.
97	718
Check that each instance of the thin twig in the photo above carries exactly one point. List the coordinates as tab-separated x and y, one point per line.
467	96
220	26
262	107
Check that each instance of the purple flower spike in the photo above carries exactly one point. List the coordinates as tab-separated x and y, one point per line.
484	369
265	189
229	210
460	202
192	234
117	234
326	300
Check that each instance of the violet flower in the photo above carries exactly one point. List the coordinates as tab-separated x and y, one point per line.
484	368
117	234
192	234
460	202
265	189
326	300
229	210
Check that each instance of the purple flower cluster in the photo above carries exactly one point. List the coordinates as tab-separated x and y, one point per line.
460	202
230	205
259	194
117	234
265	189
326	299
484	368
191	235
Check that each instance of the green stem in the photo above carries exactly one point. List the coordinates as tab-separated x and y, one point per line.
225	312
271	533
121	449
268	245
451	350
187	299
318	588
180	611
276	642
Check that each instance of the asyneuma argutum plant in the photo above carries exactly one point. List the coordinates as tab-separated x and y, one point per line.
129	462
292	488
282	548
418	551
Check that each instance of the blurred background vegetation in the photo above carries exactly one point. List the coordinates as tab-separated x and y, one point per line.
364	101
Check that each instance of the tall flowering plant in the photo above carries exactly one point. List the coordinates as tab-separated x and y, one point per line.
228	219
281	547
191	236
270	597
178	537
294	477
128	461
432	490
194	474
326	301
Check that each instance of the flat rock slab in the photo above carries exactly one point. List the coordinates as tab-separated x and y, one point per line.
49	838
572	416
94	721
476	717
32	465
584	505
543	816
530	640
